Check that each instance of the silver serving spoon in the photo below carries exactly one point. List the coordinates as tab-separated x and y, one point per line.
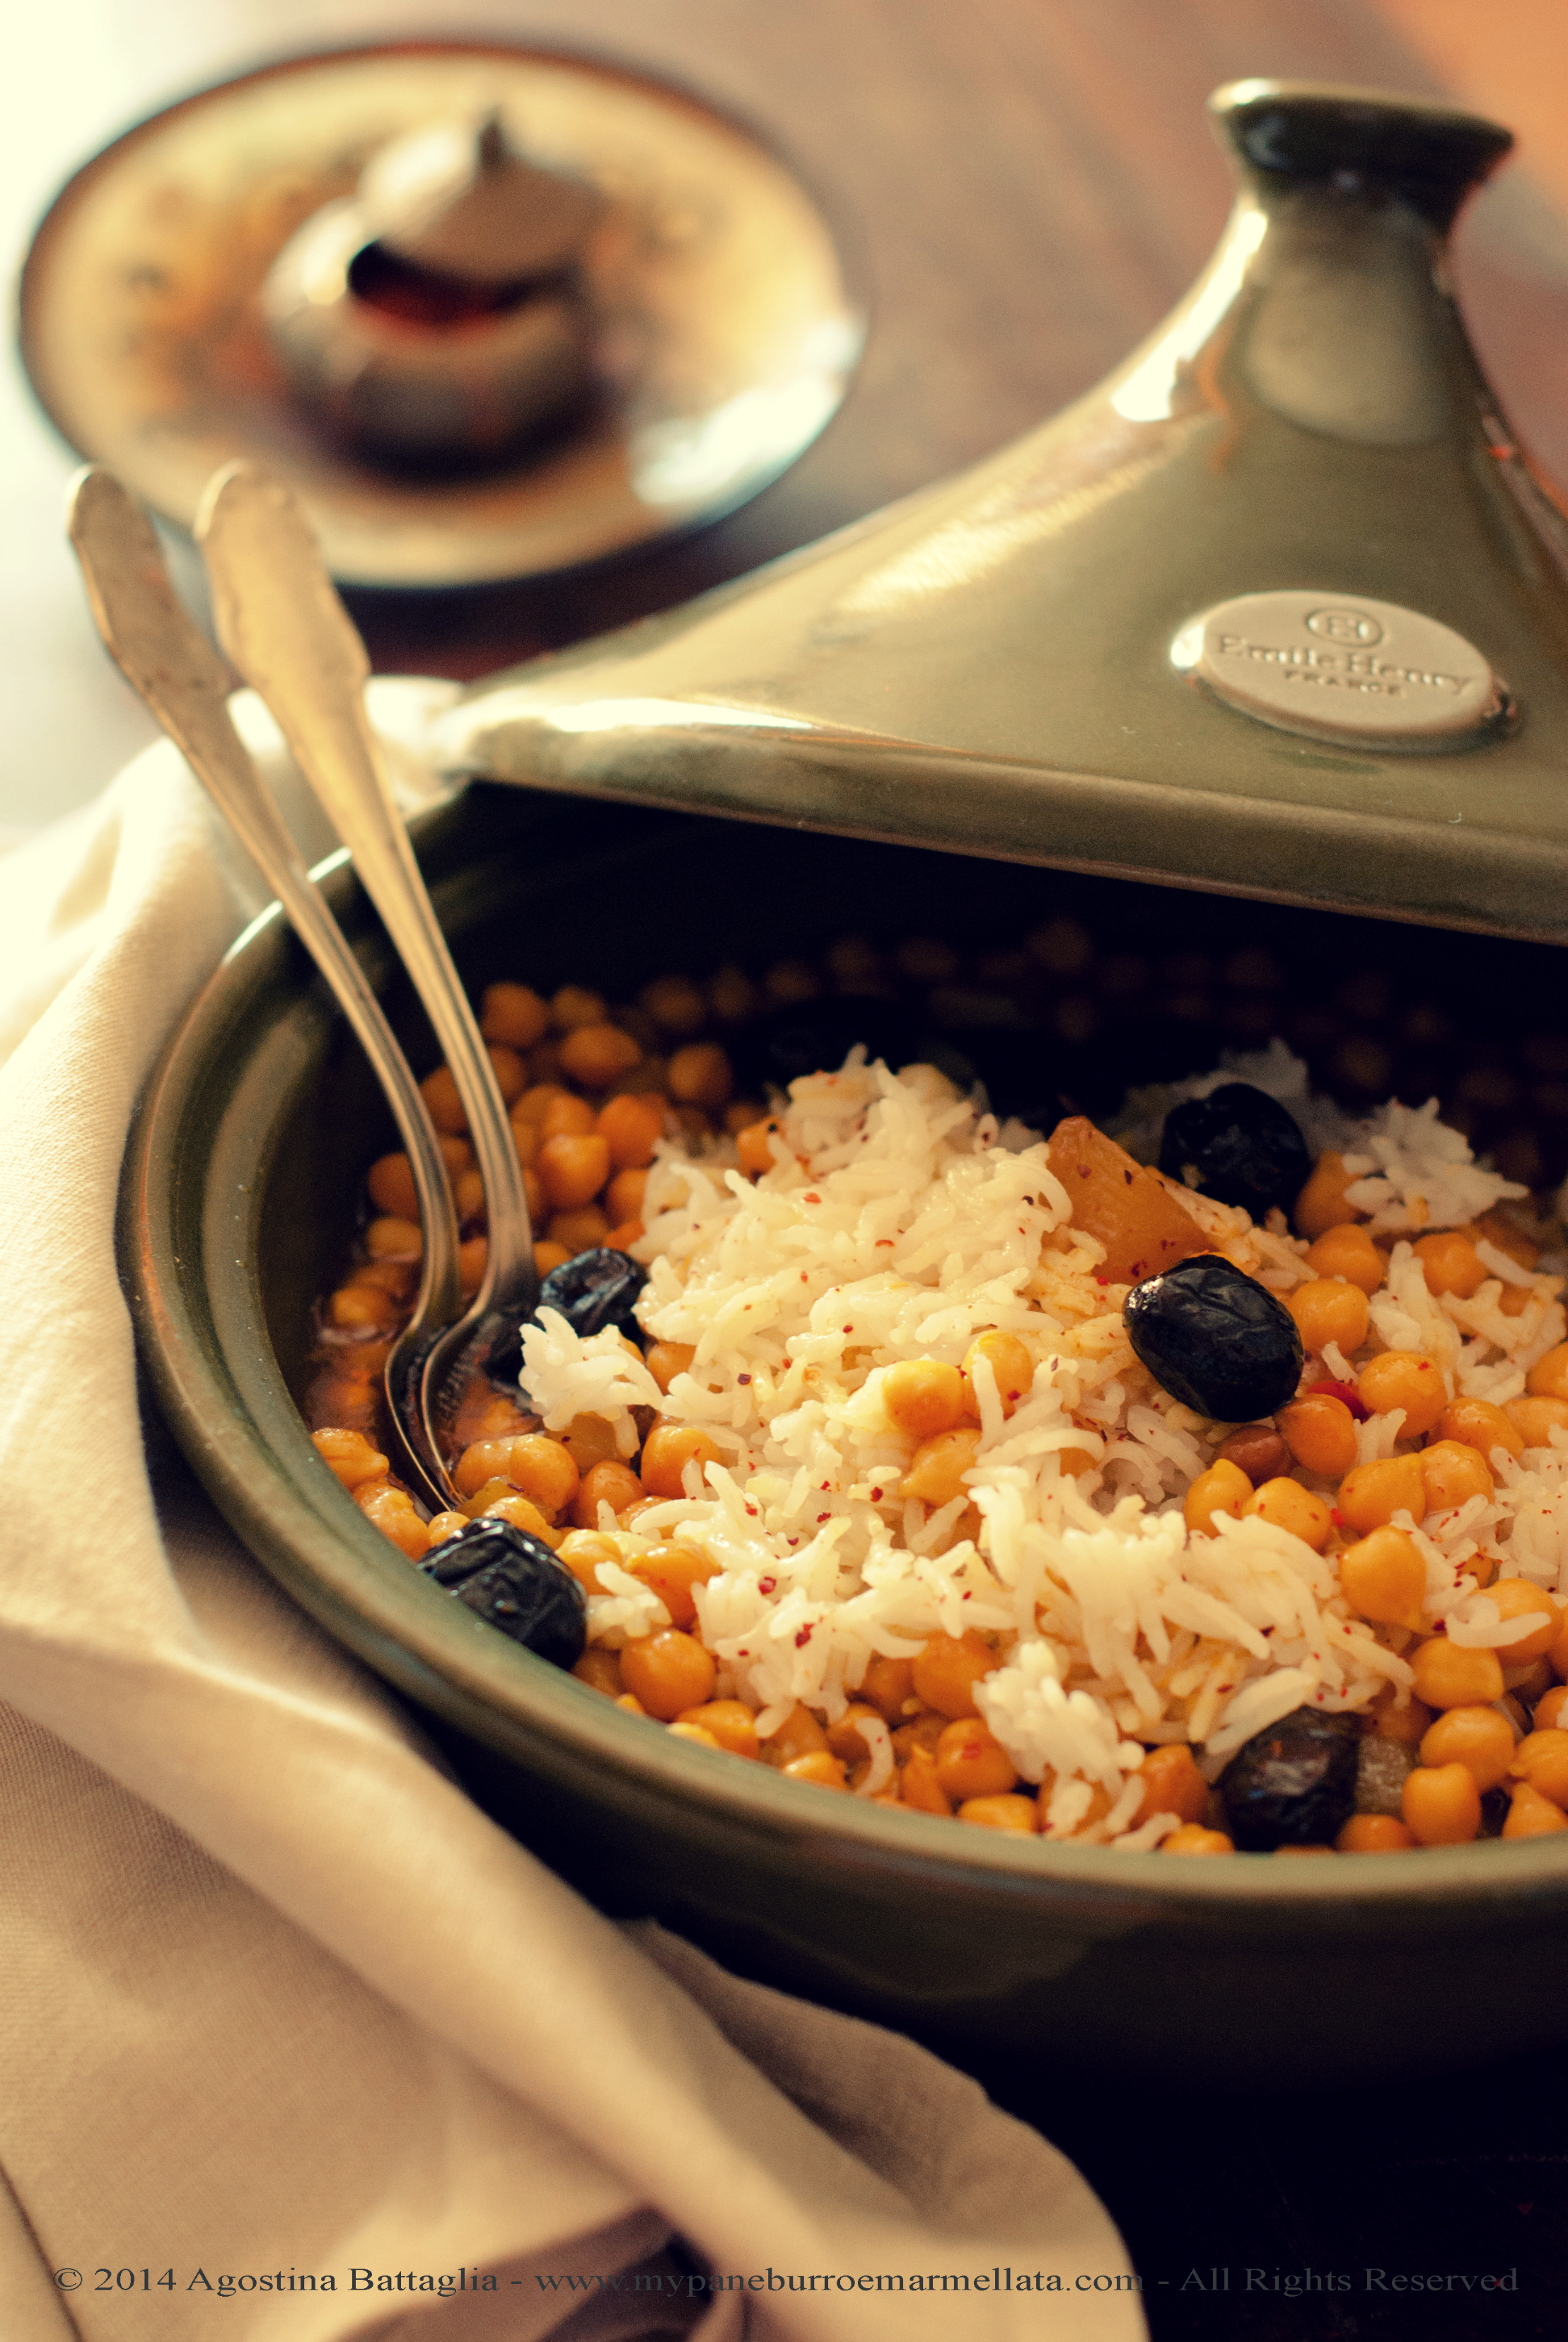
281	622
166	658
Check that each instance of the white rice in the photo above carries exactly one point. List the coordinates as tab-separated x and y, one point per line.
898	1222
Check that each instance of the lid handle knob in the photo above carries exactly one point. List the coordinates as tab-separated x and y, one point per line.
1426	154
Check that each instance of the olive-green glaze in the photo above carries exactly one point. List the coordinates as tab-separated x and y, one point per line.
986	666
239	1191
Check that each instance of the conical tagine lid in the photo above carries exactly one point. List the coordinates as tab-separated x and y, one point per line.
1278	609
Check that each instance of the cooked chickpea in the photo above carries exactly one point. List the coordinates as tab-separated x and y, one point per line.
671	1571
363	1309
472	1255
1451	1262
755	1146
541	1467
1530	1815
1349	1252
702	1075
623	1195
391	1187
1402	1378
1481	1737
1286	1505
440	1093
1552	1709
669	1452
630	1126
484	1459
800	1735
729	1723
1321	1205
948	1668
601	1670
511	1073
1371	1494
923	1398
1171	1785
523	1514
668	1672
1224	1488
889	1686
1320	1432
821	1768
391	1511
971	1762
510	1013
937	1466
1542	1759
610	1482
682	1730
847	1738
1395	1716
353	1457
922	1731
1517	1598
468	1196
665	1360
1536	1418
1257	1449
1476	1423
548	1256
1447	1675
1192	1839
1374	1833
1452	1473
566	1117
1329	1309
598	1055
573	1169
1010	1363
1548	1377
536	1102
1001	1812
674	1003
446	1525
1442	1804
393	1239
918	1785
583	1550
1384	1579
578	1231
575	1004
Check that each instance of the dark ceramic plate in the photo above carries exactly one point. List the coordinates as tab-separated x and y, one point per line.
239	1192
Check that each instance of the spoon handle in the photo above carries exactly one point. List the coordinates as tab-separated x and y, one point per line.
171	665
280	620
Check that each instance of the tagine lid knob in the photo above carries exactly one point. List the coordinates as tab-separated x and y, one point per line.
458	198
1358	142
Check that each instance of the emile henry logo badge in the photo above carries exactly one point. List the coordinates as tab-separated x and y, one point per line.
1362	672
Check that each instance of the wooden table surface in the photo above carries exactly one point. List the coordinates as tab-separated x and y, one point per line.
1028	185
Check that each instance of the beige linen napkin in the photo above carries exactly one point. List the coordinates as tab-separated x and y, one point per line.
280	2003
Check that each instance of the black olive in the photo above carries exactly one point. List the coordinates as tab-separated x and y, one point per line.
1239	1145
515	1583
1293	1785
594	1290
816	1037
1215	1339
